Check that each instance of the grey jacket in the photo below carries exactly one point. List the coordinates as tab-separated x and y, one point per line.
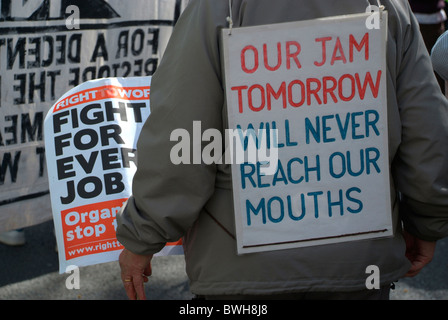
195	201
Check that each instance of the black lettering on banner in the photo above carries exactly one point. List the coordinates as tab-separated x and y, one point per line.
40	151
87	165
135	55
100	130
36	84
100	49
11	129
38	10
121	110
39	86
58	50
97	116
9	163
128	155
30	130
137	106
20	128
79	140
91	187
33	131
135	43
109	159
20	88
19	50
60	142
64	166
113	183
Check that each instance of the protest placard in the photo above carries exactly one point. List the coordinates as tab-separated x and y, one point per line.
321	85
47	48
91	139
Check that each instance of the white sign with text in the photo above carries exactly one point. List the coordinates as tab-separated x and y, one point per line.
321	84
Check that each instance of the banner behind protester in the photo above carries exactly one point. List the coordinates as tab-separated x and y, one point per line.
47	48
90	139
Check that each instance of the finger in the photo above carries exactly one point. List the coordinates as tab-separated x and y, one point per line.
139	289
411	273
129	288
134	287
148	270
415	269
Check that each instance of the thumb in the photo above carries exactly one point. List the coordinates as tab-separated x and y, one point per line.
148	270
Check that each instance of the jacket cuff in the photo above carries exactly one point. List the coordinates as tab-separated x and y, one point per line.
136	247
426	222
129	231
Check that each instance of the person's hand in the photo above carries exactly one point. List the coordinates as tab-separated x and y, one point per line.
135	270
419	252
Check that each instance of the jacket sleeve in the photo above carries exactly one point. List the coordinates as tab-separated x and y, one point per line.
421	166
167	198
